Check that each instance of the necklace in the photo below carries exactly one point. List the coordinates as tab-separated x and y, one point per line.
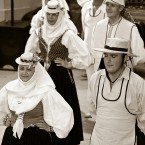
114	80
118	21
119	92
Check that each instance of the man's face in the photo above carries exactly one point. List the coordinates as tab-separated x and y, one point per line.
26	72
113	62
113	10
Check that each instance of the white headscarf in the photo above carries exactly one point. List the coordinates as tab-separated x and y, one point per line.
56	30
33	89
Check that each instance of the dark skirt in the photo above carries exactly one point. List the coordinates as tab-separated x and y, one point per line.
30	136
65	85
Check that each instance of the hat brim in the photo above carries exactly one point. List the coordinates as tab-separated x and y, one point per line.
18	61
52	11
113	52
111	1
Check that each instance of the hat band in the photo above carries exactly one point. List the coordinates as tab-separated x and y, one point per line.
115	2
24	60
116	48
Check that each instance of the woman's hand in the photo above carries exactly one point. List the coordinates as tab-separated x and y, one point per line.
7	120
63	63
43	125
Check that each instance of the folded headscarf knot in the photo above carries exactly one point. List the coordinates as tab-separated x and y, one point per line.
18	126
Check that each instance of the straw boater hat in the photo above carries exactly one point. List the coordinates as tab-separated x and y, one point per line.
53	6
117	2
27	59
116	45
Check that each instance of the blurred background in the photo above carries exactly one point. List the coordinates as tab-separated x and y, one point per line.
16	15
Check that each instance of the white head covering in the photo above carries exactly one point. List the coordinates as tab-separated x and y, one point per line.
56	30
39	82
24	96
38	19
53	6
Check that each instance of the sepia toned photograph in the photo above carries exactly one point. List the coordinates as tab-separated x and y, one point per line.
72	72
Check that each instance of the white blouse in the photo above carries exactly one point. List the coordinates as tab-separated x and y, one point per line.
77	48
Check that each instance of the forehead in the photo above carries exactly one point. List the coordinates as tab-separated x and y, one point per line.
26	66
23	65
55	14
117	54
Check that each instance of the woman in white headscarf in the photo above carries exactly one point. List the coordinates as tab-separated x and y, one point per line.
37	110
38	19
60	50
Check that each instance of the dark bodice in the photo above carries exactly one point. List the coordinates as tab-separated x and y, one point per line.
31	117
57	49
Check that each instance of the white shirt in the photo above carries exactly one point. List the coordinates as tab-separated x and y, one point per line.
123	29
88	20
115	122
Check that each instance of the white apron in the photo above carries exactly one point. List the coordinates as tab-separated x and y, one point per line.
114	124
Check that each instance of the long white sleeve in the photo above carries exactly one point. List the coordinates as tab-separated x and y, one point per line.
78	50
4	108
32	44
137	46
58	113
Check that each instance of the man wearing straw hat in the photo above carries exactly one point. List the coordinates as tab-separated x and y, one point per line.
117	97
117	25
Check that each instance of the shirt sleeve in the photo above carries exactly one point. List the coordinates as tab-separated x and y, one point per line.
58	113
4	108
141	104
92	94
37	21
32	44
137	46
78	51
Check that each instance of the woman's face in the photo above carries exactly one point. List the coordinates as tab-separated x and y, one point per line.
26	72
113	10
52	18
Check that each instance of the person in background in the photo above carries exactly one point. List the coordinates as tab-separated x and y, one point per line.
60	49
117	24
92	12
38	19
75	14
117	97
38	113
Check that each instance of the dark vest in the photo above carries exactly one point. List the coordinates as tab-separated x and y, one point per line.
57	49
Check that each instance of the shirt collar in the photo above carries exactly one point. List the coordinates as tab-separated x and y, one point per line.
125	75
101	8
